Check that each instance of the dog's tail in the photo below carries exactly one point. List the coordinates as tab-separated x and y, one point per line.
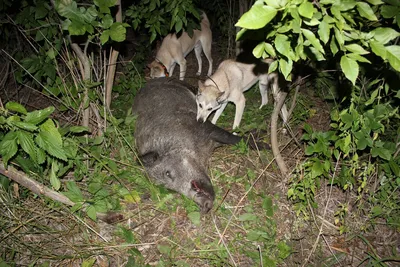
205	19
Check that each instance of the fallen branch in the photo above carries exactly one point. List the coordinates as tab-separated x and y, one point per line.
36	187
274	134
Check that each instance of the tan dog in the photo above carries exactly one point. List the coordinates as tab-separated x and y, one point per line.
174	50
228	84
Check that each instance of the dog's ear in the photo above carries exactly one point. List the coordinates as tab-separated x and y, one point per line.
219	96
201	87
149	159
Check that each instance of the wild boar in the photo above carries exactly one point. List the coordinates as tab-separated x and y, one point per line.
173	146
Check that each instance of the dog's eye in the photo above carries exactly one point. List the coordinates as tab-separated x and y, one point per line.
168	174
209	109
200	106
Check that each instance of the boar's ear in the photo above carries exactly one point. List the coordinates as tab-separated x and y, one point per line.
201	87
149	158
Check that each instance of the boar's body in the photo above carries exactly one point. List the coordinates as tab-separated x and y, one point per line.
173	146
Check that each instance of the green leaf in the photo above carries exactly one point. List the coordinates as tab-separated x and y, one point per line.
378	49
282	45
14	106
381	152
375	2
105	3
78	129
306	9
355	48
40	12
25	126
273	66
194	216
105	36
358	58
393	55
317	169
257	17
73	193
333	46
313	40
37	116
88	262
26	141
268	207
259	50
350	68
324	31
388	11
385	35
49	139
54	181
91	212
247	217
107	21
164	249
286	68
395	168
117	32
269	49
8	146
366	11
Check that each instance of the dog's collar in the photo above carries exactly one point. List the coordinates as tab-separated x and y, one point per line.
163	66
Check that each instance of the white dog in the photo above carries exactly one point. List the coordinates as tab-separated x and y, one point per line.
173	50
228	83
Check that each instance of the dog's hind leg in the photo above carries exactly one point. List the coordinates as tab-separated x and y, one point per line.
263	85
277	95
207	51
219	112
240	104
197	50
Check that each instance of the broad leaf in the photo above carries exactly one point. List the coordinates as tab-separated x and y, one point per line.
286	68
378	49
366	11
355	48
393	54
257	17
25	125
258	50
306	9
117	32
324	31
313	40
37	116
8	146
194	216
270	49
54	181
73	193
26	141
17	107
384	35
350	68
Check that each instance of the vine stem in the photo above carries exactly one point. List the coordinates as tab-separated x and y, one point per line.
274	134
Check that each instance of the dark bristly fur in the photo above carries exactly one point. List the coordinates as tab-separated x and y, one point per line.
173	146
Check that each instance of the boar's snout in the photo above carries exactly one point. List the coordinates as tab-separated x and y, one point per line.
203	195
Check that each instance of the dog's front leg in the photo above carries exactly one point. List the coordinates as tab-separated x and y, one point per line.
240	104
182	68
197	51
171	70
219	112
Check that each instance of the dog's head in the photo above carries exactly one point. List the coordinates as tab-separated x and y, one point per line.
157	70
208	99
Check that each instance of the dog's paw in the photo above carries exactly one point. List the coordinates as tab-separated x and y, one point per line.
198	73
